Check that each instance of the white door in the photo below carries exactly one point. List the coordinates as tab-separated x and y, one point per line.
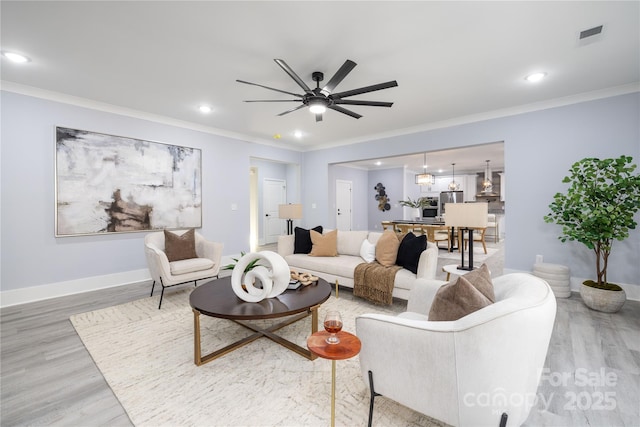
343	205
274	193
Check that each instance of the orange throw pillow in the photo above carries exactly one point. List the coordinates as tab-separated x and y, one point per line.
387	248
324	244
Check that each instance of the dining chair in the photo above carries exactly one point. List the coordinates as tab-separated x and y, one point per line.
387	225
478	236
493	223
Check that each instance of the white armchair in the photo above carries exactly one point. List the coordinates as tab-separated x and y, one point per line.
468	372
169	274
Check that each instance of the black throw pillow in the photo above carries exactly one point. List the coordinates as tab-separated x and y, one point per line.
409	251
302	239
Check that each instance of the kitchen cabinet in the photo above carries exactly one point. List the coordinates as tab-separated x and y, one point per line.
502	186
469	187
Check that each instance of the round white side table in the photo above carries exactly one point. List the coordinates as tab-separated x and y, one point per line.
453	269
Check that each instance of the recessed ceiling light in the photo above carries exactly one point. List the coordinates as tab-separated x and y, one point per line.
15	57
297	134
378	163
535	77
205	109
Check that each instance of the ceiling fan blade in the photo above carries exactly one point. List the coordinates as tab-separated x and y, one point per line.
270	88
368	103
273	100
345	111
365	89
319	117
292	110
338	77
293	75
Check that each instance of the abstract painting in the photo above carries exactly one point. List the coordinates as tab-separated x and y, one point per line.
112	184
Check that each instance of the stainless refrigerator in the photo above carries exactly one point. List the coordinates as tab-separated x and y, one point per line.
450	197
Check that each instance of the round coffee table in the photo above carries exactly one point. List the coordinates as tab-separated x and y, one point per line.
217	299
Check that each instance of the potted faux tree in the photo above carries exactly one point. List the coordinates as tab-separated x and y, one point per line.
417	205
598	208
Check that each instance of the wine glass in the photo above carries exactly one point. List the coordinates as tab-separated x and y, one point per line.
333	325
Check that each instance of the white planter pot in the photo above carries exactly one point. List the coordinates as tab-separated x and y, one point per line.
602	299
416	213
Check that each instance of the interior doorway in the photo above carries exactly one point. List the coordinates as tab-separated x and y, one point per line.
274	193
344	201
265	232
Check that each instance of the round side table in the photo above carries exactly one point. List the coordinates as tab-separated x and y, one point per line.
348	347
453	269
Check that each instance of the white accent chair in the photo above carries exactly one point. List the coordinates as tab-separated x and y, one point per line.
476	371
169	274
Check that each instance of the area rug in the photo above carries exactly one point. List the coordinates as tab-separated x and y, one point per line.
478	254
146	357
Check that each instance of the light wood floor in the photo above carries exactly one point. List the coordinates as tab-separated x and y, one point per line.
48	377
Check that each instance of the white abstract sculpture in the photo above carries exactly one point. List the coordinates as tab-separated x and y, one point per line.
273	275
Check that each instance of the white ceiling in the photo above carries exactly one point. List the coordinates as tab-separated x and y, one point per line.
454	61
467	160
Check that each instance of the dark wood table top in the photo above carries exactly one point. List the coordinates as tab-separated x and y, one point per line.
217	299
348	346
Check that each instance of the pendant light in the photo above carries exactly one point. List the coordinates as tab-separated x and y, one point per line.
487	185
425	178
453	185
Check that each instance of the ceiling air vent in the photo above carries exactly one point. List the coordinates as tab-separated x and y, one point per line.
590	32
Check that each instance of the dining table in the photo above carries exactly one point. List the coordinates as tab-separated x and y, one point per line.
428	227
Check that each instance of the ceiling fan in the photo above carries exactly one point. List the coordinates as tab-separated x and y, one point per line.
319	99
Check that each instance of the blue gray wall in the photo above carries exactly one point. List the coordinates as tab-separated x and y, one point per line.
31	255
539	149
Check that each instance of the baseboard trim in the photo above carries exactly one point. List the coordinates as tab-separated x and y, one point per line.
632	291
70	287
88	284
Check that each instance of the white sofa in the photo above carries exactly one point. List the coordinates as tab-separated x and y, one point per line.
342	267
466	372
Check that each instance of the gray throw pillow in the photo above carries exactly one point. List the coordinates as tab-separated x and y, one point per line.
463	296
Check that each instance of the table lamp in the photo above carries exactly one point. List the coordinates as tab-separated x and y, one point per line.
290	212
466	217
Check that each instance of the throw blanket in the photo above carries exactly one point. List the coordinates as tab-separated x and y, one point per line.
374	282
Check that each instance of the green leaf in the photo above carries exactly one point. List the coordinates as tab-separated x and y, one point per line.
599	205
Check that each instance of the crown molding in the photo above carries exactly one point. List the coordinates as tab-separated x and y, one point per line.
129	112
489	115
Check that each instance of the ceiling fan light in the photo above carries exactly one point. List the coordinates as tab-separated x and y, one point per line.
317	108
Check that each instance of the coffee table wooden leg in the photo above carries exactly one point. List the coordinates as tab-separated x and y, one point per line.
197	350
314	319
